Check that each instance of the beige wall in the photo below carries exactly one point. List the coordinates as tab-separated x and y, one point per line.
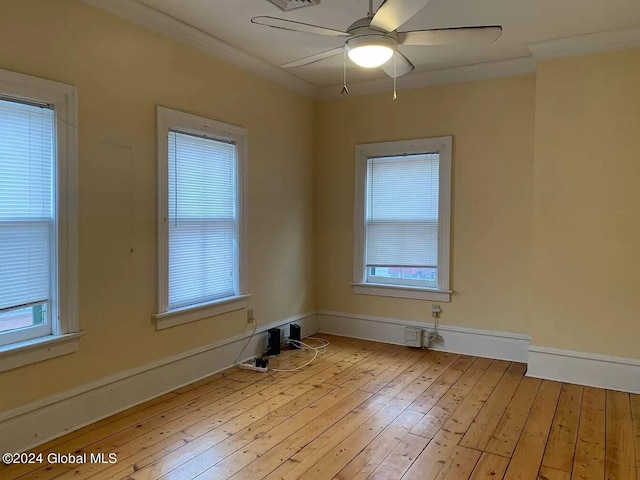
122	72
492	125
586	275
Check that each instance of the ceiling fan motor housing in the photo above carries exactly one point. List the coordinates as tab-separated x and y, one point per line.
362	34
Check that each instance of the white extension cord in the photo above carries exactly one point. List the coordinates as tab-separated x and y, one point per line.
249	366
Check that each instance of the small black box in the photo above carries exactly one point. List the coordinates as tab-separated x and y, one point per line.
294	334
273	346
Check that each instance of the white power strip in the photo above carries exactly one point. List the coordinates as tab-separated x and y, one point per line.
250	366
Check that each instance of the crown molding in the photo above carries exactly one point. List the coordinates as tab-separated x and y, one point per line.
175	29
586	44
479	71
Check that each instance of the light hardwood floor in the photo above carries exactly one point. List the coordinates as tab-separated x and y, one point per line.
365	410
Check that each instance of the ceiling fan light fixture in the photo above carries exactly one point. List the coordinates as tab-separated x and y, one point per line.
371	51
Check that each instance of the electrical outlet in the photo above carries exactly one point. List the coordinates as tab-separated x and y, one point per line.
436	311
250	318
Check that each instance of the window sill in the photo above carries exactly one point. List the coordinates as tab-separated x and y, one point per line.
192	313
404	291
31	351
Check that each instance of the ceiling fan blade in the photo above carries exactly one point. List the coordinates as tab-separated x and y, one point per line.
314	58
394	13
292	26
402	66
451	36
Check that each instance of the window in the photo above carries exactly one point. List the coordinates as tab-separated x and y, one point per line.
38	223
201	165
402	219
26	220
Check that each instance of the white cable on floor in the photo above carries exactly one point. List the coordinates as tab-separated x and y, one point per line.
317	351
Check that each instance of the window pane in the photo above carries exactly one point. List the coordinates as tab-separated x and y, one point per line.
23	318
27	156
203	226
402	211
425	277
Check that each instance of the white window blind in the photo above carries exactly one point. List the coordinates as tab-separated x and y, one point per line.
402	211
203	219
27	156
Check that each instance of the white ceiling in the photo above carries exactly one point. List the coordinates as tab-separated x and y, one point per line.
524	22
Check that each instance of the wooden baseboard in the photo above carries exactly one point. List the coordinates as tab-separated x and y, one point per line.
42	420
482	343
615	373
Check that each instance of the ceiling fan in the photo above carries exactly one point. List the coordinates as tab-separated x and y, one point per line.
371	41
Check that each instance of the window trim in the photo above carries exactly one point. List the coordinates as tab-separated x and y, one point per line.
442	145
66	327
168	119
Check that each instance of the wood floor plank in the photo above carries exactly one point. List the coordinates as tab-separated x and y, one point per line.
366	361
177	449
479	434
435	418
398	396
362	465
208	417
460	464
281	440
422	383
490	466
505	436
432	459
325	457
218	388
401	458
225	424
424	374
635	413
527	456
561	445
306	453
205	448
264	455
590	447
194	460
173	442
620	461
547	473
439	388
404	361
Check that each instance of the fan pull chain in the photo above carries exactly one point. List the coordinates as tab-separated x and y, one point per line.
345	90
395	95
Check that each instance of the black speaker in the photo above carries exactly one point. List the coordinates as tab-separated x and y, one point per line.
294	334
273	346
